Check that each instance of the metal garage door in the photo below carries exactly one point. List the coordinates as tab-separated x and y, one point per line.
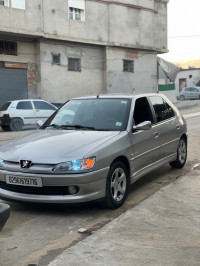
13	85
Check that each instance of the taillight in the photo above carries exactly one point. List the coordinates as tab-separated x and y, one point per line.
6	115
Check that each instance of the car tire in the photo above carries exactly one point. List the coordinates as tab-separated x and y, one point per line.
117	185
182	98
16	124
5	128
181	155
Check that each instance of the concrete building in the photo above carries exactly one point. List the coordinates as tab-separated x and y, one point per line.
56	50
186	78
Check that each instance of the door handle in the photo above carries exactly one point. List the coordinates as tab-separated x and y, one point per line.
178	126
156	135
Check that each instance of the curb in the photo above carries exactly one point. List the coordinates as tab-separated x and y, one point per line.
191	115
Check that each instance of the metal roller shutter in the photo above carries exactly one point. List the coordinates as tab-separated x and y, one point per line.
13	85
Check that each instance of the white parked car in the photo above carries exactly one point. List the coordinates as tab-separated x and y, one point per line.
16	114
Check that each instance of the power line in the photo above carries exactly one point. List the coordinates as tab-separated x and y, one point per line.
183	36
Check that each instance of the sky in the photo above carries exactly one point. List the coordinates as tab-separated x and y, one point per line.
183	30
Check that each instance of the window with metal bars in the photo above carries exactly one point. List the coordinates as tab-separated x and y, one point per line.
7	47
128	66
56	59
74	64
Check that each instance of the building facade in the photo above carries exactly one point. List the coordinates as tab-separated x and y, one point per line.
60	49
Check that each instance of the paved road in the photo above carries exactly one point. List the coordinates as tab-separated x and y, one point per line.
37	234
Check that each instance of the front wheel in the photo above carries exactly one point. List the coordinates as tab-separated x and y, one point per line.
181	155
16	124
182	98
117	185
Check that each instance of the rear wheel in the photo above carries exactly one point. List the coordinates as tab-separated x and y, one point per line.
182	98
5	128
117	185
16	124
181	155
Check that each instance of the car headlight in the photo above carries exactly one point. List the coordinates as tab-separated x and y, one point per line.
76	165
1	162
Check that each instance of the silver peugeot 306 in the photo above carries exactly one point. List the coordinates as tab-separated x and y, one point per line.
93	148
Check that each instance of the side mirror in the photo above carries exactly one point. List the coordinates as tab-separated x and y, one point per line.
39	124
146	125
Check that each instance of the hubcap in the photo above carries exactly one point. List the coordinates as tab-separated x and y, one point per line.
118	184
182	151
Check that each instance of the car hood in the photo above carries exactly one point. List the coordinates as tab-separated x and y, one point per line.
54	146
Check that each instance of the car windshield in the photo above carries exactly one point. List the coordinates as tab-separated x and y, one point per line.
92	114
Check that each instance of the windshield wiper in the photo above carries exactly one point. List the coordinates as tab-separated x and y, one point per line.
78	127
70	126
54	126
75	127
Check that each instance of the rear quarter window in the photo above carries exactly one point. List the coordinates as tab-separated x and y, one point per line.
5	106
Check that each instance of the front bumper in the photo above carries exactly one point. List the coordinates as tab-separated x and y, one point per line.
92	186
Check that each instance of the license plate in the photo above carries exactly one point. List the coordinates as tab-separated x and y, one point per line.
24	181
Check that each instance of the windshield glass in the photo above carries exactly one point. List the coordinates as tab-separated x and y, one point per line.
92	114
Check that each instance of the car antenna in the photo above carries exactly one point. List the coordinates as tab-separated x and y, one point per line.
133	90
99	93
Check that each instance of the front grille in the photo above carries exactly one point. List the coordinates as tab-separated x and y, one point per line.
46	190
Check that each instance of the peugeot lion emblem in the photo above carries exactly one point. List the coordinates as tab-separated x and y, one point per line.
25	164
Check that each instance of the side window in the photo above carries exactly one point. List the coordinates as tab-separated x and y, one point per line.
194	89
43	105
142	111
170	110
162	109
25	105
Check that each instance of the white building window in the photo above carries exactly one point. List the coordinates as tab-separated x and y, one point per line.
4	3
76	9
20	4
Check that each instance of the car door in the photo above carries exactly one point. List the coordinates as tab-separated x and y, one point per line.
167	126
43	110
194	93
144	142
24	110
187	93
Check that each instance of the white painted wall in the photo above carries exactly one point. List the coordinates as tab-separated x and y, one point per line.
191	75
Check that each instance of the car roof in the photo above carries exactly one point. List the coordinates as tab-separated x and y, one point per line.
196	87
22	100
129	96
